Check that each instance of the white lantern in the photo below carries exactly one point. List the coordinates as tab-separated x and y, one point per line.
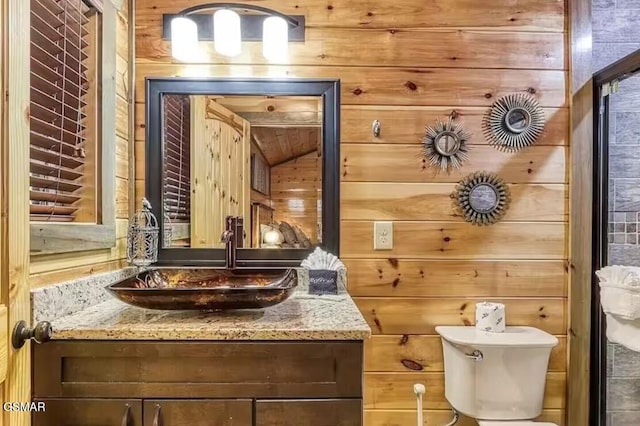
184	39
275	39
226	32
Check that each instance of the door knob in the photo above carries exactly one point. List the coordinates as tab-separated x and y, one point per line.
41	333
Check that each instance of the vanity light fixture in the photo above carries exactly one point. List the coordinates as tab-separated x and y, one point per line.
184	40
228	29
275	39
226	32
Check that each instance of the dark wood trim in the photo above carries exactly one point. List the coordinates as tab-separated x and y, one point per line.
598	362
85	411
198	412
329	90
580	220
619	70
188	369
309	412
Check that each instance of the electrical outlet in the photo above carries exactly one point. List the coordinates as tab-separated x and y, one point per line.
382	235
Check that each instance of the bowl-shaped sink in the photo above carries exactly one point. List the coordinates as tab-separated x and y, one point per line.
206	288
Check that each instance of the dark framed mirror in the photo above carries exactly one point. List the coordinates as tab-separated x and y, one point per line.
517	120
482	198
264	150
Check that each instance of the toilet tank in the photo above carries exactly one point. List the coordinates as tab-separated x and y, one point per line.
496	376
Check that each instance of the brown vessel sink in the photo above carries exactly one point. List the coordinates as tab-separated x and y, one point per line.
206	288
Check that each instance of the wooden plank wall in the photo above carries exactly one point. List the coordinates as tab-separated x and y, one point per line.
407	63
220	160
295	192
46	270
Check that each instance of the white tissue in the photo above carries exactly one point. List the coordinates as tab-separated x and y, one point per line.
321	259
619	276
624	332
620	299
620	291
490	317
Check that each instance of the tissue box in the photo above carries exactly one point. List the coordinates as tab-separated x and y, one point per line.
323	281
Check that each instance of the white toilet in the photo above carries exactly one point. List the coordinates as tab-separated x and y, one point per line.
496	378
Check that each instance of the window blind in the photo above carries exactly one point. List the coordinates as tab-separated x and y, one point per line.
177	163
59	88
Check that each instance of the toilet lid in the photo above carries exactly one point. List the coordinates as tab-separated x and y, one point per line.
513	423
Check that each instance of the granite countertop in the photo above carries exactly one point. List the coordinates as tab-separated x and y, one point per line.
301	317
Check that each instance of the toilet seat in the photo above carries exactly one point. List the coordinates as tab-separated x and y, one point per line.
513	423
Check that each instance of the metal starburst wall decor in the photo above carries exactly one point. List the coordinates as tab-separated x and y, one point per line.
482	198
514	122
445	145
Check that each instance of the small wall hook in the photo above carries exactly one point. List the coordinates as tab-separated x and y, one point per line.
375	128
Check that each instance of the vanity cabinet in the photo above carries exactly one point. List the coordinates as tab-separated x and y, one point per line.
178	412
89	412
117	412
332	412
169	383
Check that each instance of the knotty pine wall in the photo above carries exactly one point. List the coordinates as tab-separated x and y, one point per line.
46	270
407	63
296	187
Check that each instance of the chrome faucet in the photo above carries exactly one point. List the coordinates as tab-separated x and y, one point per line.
232	237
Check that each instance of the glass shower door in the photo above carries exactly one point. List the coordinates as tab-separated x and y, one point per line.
615	370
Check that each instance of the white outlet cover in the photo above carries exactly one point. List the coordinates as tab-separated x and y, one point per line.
382	235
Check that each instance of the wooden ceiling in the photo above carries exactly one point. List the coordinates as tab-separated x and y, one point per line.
281	111
282	144
283	127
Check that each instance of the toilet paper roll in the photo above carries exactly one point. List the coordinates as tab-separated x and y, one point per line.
490	317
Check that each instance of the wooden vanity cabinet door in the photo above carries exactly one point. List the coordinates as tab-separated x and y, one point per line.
89	412
309	412
198	412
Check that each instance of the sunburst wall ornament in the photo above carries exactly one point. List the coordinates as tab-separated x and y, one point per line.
482	198
445	145
514	122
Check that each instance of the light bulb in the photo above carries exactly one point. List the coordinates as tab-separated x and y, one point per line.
184	39
275	39
226	32
272	237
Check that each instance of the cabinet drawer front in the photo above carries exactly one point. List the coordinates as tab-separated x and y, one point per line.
198	369
330	412
89	412
198	412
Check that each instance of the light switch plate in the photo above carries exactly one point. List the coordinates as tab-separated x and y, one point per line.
382	235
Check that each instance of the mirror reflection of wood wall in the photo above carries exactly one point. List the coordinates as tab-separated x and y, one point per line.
220	163
252	156
296	189
289	140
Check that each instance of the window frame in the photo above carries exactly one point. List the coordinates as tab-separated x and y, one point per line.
52	238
